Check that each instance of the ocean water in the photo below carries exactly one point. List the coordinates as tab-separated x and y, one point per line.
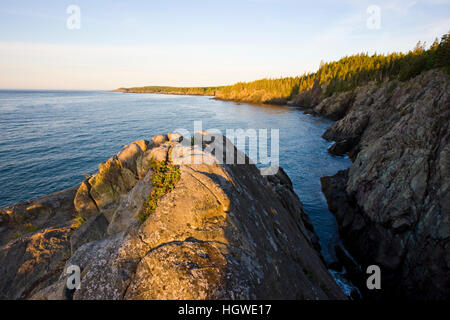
50	139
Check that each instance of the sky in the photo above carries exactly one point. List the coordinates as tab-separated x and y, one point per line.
198	43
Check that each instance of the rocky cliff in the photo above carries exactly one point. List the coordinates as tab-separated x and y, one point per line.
393	205
218	231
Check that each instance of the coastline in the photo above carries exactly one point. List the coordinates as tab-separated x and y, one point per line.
166	93
213	96
353	282
361	126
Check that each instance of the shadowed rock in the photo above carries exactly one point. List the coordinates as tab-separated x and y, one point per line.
393	204
33	261
93	229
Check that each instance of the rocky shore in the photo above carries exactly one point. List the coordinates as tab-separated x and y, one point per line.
222	231
226	232
392	205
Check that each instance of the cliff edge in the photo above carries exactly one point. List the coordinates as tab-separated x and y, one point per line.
392	205
149	225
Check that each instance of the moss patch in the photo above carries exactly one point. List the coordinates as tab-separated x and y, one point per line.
79	220
25	229
165	176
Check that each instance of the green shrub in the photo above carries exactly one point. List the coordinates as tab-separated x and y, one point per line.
29	227
26	228
79	220
16	235
165	176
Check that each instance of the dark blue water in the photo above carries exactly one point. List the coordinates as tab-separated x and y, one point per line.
49	139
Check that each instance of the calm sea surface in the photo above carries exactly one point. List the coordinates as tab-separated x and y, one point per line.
49	139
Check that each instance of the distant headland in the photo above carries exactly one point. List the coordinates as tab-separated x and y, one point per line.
343	75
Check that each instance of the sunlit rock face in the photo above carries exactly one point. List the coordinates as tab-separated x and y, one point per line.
223	231
393	203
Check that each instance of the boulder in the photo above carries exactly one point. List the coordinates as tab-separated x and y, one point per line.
111	184
159	139
174	137
104	191
159	153
130	155
84	203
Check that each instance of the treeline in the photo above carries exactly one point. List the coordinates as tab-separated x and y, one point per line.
351	72
204	91
343	75
347	73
